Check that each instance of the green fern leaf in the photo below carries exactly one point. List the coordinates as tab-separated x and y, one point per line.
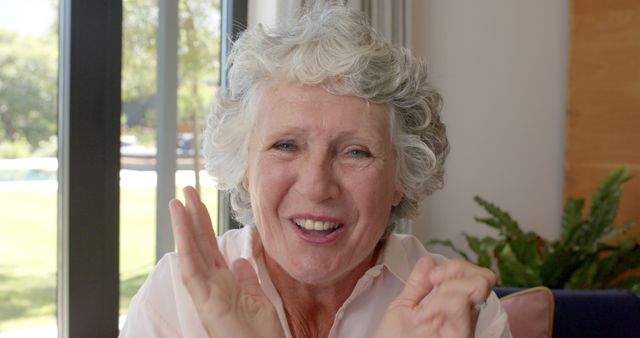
482	249
571	222
604	206
513	272
507	225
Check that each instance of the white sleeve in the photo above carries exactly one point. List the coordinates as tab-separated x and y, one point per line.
144	321
493	321
162	308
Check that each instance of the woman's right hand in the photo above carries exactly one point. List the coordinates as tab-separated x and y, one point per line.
230	302
452	312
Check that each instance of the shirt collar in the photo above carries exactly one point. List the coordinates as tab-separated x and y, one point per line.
394	257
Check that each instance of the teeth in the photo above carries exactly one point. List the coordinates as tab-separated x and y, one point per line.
309	224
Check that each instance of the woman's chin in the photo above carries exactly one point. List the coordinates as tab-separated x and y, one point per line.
327	272
311	270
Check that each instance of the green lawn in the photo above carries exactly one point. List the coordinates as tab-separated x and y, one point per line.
28	240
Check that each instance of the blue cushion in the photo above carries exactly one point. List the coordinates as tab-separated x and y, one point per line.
592	313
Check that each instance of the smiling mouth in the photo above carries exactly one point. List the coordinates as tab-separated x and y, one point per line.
310	226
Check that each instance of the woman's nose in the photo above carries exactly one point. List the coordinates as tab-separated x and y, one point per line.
317	180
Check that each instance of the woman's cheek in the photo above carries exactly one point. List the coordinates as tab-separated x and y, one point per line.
369	177
276	176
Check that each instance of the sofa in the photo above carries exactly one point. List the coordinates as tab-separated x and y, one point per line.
572	313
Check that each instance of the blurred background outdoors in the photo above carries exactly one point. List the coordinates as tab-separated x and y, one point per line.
29	47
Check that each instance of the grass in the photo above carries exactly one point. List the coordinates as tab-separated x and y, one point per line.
28	249
28	259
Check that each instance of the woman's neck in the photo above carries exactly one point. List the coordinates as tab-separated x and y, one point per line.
310	308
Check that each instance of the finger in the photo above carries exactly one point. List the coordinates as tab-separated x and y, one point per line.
460	269
475	288
202	228
418	284
193	268
453	310
181	224
247	278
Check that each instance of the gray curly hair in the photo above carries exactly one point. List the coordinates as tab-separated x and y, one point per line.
334	47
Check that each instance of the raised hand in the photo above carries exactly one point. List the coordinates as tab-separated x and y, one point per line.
450	312
230	302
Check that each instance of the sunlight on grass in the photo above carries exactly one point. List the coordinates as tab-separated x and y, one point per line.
29	233
137	239
28	259
28	251
137	235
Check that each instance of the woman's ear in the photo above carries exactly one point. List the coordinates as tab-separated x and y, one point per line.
397	198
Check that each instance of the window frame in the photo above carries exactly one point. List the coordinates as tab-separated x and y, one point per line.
89	164
89	109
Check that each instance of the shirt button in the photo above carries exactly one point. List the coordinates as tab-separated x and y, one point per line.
339	315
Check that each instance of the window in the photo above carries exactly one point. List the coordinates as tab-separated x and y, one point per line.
28	167
59	252
154	38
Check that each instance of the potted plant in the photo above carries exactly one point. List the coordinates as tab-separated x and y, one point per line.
590	254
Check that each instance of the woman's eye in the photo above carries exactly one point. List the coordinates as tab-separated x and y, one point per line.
284	146
359	153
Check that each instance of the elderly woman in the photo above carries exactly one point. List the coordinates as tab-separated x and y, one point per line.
325	137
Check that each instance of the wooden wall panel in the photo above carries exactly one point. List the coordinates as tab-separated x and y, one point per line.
603	117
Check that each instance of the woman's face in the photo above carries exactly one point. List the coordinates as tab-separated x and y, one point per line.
321	177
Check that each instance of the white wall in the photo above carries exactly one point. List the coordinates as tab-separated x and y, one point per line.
501	66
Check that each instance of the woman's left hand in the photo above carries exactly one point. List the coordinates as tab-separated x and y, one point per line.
451	311
229	300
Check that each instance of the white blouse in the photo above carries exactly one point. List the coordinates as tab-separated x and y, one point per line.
163	308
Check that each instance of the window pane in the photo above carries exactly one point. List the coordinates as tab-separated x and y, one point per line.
28	167
138	144
198	77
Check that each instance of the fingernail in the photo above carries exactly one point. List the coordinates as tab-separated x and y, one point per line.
173	206
188	194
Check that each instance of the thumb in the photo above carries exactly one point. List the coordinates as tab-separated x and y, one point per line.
246	277
418	284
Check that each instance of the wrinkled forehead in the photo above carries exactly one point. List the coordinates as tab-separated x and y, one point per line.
288	103
290	91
